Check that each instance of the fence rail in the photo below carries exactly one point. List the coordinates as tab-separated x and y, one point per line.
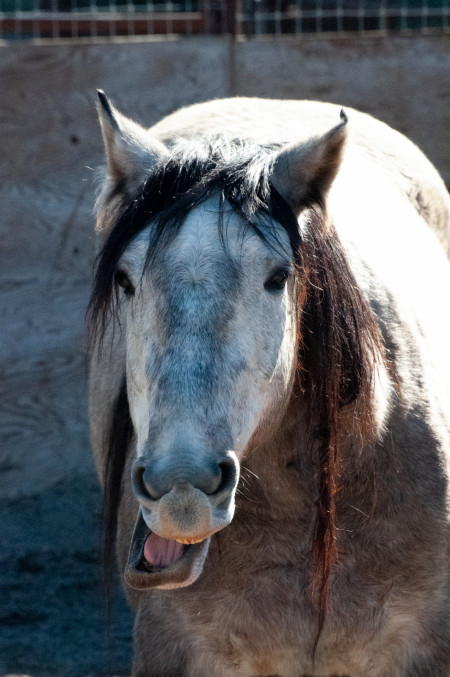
94	24
25	19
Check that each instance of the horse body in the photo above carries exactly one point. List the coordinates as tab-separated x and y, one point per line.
225	445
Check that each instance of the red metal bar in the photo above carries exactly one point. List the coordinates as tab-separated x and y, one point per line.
182	23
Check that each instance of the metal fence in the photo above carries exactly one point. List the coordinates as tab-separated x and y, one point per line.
27	19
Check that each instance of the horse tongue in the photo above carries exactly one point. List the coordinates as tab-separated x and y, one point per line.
161	552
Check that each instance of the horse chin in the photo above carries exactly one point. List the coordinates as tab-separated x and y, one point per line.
183	571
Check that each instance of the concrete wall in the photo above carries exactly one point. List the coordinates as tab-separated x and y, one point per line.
49	144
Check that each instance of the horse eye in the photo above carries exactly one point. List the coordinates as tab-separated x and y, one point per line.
121	279
277	281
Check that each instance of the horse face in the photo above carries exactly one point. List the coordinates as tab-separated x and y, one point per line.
209	352
210	345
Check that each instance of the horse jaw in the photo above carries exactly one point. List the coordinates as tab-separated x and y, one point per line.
168	570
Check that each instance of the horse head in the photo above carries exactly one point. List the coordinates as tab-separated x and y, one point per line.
200	268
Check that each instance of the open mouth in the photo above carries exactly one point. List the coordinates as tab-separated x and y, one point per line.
156	562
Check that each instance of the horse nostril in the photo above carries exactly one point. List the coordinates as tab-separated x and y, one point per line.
142	488
150	490
229	476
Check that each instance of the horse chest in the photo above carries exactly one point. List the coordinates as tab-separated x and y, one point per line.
263	626
271	645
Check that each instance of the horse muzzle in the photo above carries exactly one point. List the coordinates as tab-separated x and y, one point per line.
180	509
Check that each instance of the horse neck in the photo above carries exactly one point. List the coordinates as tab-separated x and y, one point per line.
278	469
279	473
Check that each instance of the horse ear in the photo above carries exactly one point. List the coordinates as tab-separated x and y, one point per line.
130	150
303	172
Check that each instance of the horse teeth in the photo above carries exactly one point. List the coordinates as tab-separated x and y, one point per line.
189	541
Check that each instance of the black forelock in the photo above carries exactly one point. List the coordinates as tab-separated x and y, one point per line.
237	171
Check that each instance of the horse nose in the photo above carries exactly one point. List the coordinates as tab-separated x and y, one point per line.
191	499
152	480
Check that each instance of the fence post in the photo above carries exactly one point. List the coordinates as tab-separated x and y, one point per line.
213	16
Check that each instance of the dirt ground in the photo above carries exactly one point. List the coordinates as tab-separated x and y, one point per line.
52	618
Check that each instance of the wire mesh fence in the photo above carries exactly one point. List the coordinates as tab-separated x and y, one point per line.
317	16
25	19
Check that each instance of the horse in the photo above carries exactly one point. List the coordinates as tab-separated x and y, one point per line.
269	399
